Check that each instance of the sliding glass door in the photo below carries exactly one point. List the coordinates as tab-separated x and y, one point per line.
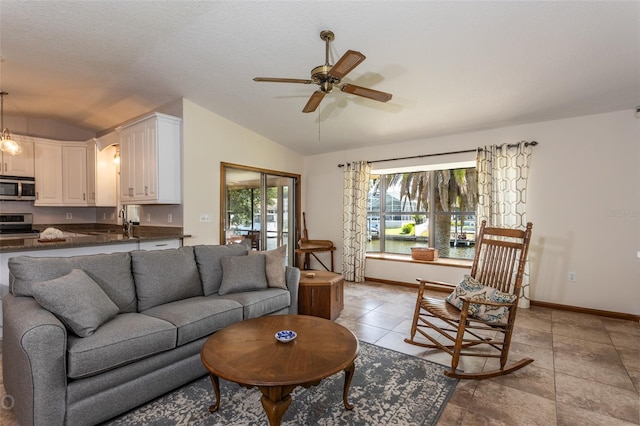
259	205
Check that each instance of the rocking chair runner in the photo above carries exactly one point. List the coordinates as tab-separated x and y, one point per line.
499	263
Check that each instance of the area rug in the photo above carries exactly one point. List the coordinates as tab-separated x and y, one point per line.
388	388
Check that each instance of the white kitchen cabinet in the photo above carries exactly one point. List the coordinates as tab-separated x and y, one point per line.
150	161
61	173
160	244
19	165
74	175
101	175
48	172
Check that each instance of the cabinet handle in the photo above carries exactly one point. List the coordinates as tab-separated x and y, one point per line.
146	190
130	192
37	195
312	294
84	196
162	245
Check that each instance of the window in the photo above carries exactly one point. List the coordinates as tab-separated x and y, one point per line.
406	208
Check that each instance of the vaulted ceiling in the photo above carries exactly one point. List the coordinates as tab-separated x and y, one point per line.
452	66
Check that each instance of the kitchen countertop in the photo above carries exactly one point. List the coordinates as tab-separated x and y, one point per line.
88	235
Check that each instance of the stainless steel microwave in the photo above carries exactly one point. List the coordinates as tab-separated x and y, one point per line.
17	188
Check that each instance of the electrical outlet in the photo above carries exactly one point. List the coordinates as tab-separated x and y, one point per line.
169	218
572	276
69	216
204	217
148	217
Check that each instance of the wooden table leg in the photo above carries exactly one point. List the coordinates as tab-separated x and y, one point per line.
275	401
348	376
216	389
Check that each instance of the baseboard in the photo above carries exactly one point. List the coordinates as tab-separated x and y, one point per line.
578	309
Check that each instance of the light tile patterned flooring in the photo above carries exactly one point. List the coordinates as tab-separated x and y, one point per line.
586	369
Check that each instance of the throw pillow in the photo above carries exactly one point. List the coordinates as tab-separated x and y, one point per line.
242	273
471	288
275	268
208	260
77	300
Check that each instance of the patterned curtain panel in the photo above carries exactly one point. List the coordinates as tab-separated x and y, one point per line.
354	233
502	192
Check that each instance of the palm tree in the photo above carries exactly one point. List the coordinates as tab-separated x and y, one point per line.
455	190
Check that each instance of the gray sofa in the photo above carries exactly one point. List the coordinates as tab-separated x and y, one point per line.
144	316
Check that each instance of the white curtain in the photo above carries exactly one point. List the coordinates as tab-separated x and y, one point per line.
502	191
354	218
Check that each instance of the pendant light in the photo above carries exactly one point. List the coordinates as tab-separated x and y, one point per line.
7	144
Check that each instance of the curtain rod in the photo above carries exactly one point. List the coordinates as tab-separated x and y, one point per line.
532	143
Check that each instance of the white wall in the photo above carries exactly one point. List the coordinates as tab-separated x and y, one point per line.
583	199
209	139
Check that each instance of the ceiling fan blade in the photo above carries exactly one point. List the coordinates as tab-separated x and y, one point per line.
348	62
283	80
376	95
314	101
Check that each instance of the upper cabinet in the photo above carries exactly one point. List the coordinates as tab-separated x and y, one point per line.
61	173
20	165
150	161
101	174
48	173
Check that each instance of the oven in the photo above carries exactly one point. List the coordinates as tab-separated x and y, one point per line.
17	188
17	226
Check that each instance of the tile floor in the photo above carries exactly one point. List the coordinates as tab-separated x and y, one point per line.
586	369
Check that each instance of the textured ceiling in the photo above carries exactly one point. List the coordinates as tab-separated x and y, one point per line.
451	66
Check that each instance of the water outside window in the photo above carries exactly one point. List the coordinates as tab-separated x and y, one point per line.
404	209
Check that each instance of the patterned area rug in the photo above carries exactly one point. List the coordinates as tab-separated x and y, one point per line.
388	388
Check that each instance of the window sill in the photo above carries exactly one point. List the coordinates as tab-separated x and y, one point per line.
454	263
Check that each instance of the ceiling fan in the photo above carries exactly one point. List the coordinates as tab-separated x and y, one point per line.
328	76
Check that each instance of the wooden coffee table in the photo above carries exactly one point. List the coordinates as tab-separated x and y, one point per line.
247	353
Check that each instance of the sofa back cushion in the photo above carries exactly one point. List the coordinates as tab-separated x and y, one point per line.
163	276
208	259
112	272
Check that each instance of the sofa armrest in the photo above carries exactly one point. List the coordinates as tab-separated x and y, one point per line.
34	361
292	278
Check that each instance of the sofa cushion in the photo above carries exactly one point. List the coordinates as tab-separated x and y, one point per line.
208	259
243	273
163	276
111	271
274	266
126	338
197	317
261	302
77	301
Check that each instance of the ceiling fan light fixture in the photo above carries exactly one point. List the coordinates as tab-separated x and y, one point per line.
7	144
327	76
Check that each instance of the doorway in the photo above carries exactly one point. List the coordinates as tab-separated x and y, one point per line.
260	205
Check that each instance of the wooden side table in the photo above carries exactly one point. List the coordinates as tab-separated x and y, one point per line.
321	295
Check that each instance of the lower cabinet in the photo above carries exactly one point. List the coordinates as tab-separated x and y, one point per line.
321	295
160	244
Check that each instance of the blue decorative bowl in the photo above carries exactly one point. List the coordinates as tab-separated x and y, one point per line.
286	336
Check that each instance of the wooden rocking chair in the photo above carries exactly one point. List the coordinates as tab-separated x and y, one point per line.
499	264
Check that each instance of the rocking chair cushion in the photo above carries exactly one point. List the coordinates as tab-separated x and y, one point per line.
471	288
